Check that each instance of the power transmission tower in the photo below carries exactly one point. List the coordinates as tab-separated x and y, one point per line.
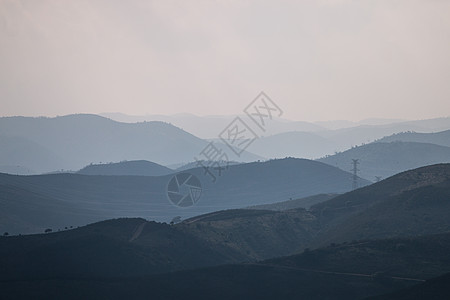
355	163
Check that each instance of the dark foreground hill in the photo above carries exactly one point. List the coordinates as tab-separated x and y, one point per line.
348	271
131	247
31	204
114	248
132	168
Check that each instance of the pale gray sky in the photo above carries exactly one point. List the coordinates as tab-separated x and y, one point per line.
319	60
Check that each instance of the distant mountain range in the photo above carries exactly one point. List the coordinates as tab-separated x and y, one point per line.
208	127
74	141
42	145
314	145
33	203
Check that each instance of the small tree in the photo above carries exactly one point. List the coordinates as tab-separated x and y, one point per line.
48	230
6	234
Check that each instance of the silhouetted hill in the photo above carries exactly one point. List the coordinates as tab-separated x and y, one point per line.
150	247
33	203
306	203
387	159
136	167
411	203
376	211
438	138
113	248
255	234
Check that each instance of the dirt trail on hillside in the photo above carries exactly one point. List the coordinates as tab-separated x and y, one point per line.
137	232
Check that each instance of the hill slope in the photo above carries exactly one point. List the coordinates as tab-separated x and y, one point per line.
136	168
411	203
306	203
387	159
33	203
348	137
438	138
113	248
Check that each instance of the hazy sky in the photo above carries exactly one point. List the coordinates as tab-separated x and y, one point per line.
318	60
